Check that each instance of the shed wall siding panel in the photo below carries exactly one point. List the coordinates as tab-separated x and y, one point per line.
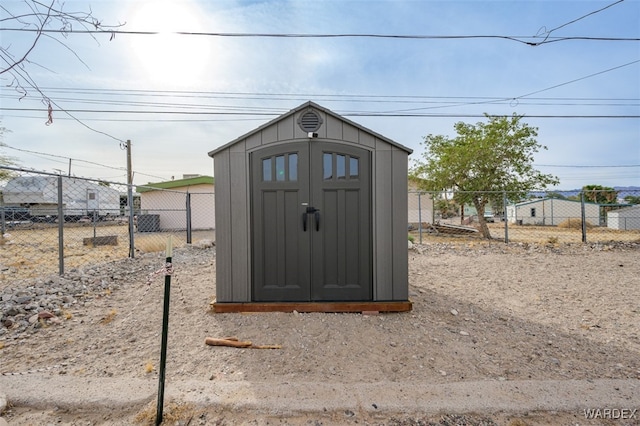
399	237
286	129
240	261
270	134
334	128
239	147
224	283
349	133
383	225
253	141
381	145
367	140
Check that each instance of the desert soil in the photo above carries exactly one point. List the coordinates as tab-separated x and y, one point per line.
482	312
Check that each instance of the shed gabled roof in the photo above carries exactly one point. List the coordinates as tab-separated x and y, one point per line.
177	183
629	208
302	107
560	200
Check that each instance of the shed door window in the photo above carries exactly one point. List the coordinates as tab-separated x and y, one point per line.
280	168
533	212
339	166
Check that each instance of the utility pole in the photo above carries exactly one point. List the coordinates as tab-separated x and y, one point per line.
130	199
129	168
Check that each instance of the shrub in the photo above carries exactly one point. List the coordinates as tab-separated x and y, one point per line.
573	223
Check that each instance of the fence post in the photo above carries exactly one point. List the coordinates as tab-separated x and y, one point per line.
60	229
165	330
188	201
583	218
420	216
132	249
504	216
432	196
3	224
95	223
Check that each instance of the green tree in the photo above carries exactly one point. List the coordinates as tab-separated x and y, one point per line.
632	199
496	155
600	194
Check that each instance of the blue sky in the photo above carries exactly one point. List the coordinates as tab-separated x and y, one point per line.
442	80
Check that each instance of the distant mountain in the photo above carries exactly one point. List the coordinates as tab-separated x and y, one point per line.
623	191
632	189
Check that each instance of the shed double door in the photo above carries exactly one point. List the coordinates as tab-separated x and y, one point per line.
311	222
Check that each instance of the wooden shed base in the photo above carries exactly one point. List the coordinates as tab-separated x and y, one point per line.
364	307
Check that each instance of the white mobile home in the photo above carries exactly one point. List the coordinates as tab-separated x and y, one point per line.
624	219
552	212
80	197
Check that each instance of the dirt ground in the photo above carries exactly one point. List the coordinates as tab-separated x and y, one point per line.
482	312
32	251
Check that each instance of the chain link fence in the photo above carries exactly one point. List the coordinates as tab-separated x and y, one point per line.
50	223
541	217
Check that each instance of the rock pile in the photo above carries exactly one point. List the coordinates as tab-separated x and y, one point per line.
28	305
480	247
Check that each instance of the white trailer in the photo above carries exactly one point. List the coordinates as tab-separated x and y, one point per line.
39	194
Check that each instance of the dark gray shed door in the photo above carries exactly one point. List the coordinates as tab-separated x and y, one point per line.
311	222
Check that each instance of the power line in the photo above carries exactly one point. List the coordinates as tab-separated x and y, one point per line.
435	102
444	100
164	120
515	99
548	33
586	166
18	71
579	79
287	96
346	114
518	39
37	153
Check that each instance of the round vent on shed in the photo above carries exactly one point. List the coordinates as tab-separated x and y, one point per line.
309	121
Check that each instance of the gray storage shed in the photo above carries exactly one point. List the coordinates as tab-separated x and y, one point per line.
311	215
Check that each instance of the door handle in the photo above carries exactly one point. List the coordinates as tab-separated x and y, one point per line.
316	215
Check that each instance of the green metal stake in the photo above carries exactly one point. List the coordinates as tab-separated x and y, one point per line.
165	328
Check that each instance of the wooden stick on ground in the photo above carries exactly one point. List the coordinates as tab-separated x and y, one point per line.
235	343
211	341
265	347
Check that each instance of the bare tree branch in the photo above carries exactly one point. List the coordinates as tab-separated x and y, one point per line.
39	17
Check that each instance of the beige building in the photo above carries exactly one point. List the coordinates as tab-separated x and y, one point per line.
163	205
624	219
552	211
